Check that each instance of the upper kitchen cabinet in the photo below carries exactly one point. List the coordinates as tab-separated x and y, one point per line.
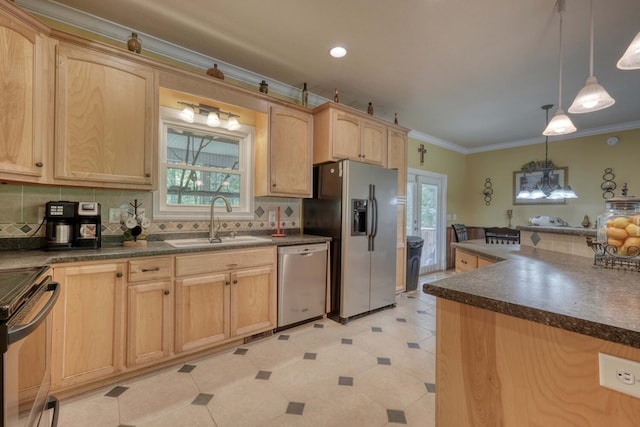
343	133
26	85
397	157
283	153
106	115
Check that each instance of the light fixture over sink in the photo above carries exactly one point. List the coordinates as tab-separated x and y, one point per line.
188	114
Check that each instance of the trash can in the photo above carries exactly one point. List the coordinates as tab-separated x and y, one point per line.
414	251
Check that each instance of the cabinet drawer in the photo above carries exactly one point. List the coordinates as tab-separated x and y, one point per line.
210	262
483	262
465	261
149	268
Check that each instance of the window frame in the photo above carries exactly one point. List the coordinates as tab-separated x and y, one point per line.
246	136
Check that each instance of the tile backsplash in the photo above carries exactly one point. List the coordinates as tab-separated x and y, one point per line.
22	207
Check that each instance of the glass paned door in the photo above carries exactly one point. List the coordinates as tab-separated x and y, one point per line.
425	217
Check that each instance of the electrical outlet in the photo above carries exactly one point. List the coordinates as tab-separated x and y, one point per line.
619	374
116	214
272	216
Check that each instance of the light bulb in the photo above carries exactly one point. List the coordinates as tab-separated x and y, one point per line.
187	114
232	123
213	120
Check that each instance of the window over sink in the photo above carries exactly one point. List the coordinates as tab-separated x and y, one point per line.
198	162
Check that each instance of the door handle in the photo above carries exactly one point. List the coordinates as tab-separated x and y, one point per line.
17	333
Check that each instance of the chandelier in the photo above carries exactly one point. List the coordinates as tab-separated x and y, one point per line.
547	187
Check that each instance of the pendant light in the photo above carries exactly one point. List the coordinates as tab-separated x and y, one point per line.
560	124
631	58
592	97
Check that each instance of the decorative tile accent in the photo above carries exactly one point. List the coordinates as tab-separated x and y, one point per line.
116	391
283	337
396	416
347	341
431	387
202	399
376	329
384	361
196	226
259	212
318	326
25	229
413	345
535	238
411	297
263	375
348	381
310	356
241	351
187	368
422	312
295	408
288	211
400	319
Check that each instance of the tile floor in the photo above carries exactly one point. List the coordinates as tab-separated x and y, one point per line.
378	370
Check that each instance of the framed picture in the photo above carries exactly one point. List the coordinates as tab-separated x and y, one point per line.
529	181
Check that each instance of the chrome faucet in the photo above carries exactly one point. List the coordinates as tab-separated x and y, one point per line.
213	227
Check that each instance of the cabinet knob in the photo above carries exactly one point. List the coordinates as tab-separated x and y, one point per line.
273	185
235	281
147	175
118	274
227	282
39	164
463	261
166	292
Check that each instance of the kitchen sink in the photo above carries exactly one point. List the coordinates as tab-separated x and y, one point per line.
204	241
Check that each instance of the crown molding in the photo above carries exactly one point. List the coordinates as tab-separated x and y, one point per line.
433	140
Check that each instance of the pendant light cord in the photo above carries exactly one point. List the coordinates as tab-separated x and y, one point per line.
591	44
560	9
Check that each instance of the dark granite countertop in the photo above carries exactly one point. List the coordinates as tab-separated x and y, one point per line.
552	288
35	258
573	231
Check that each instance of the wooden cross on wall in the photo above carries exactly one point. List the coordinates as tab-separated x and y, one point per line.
422	152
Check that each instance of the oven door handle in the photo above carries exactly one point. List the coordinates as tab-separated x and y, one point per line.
17	333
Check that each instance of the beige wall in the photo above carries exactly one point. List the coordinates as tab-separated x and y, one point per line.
585	157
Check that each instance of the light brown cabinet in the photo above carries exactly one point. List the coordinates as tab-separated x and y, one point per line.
223	296
467	261
88	323
150	308
283	153
397	159
106	115
25	104
339	133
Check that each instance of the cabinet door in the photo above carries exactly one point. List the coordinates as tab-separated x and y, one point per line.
253	301
202	310
88	326
25	82
397	158
149	322
290	152
346	136
373	143
106	110
465	261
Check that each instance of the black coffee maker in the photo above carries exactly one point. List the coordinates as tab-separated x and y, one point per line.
73	225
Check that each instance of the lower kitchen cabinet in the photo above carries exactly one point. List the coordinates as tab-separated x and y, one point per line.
88	323
467	261
229	295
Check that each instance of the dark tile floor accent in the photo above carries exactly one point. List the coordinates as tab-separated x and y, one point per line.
431	387
202	399
241	351
396	416
116	391
422	311
263	375
310	356
347	341
295	408
413	345
376	329
318	325
283	337
187	368
345	381
401	319
384	361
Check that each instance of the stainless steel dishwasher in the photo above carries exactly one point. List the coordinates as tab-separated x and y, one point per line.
302	283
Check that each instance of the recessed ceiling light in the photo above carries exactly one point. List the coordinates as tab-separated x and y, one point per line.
338	52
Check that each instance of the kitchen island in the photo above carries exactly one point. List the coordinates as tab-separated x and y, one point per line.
518	340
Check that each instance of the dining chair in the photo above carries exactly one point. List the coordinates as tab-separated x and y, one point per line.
460	232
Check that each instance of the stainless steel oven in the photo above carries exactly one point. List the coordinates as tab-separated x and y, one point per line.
27	296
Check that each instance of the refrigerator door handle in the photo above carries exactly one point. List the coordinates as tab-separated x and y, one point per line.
374	217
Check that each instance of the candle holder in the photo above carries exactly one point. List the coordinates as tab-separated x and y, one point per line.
509	216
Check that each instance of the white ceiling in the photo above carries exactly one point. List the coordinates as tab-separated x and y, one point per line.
468	72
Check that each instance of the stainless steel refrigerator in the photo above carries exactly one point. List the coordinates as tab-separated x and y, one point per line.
355	204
